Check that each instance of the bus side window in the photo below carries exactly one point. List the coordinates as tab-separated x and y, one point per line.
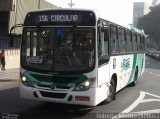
106	40
142	44
113	40
138	42
104	36
134	42
129	41
122	41
28	37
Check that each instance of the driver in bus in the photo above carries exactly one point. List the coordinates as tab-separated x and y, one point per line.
88	40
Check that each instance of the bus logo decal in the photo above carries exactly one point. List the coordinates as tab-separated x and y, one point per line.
53	87
71	85
125	64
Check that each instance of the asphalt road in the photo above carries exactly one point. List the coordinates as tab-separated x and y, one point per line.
144	98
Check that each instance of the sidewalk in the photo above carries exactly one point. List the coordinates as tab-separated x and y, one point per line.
9	75
12	59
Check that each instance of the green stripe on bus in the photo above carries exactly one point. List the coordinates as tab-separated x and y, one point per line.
138	60
142	63
81	78
131	78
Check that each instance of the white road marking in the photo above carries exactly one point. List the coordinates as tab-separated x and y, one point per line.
135	103
141	99
149	111
152	73
150	100
157	75
152	95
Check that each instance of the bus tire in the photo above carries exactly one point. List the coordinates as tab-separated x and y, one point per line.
112	90
134	83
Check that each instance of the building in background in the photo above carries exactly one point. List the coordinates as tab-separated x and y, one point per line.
155	2
139	10
13	12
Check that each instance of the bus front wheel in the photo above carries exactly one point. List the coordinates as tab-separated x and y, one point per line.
112	92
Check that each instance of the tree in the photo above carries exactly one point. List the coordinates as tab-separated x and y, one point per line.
150	23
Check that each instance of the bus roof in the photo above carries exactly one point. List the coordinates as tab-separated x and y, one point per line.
134	29
62	9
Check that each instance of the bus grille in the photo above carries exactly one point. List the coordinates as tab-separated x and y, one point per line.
57	87
53	95
55	79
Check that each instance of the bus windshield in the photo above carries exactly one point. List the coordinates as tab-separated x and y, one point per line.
58	49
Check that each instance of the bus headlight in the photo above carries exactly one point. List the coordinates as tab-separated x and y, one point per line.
85	85
24	78
25	81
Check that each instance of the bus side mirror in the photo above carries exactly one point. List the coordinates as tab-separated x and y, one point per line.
104	28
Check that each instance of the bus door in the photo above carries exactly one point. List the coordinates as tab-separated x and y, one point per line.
103	57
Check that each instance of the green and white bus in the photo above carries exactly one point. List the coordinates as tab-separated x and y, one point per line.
73	56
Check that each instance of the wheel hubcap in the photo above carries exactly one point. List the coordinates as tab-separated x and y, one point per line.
110	90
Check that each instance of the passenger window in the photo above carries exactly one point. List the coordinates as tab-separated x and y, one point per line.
122	41
113	40
129	41
104	38
103	45
134	42
142	44
138	42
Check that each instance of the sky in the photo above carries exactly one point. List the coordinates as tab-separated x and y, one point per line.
118	11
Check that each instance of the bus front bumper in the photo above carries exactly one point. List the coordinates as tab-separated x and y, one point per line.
91	97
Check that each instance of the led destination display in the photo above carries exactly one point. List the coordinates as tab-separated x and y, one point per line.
67	17
58	18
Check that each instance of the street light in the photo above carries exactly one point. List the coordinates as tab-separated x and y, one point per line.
71	4
39	4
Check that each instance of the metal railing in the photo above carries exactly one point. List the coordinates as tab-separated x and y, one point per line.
5	45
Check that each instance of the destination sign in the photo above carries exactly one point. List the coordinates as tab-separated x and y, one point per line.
60	17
